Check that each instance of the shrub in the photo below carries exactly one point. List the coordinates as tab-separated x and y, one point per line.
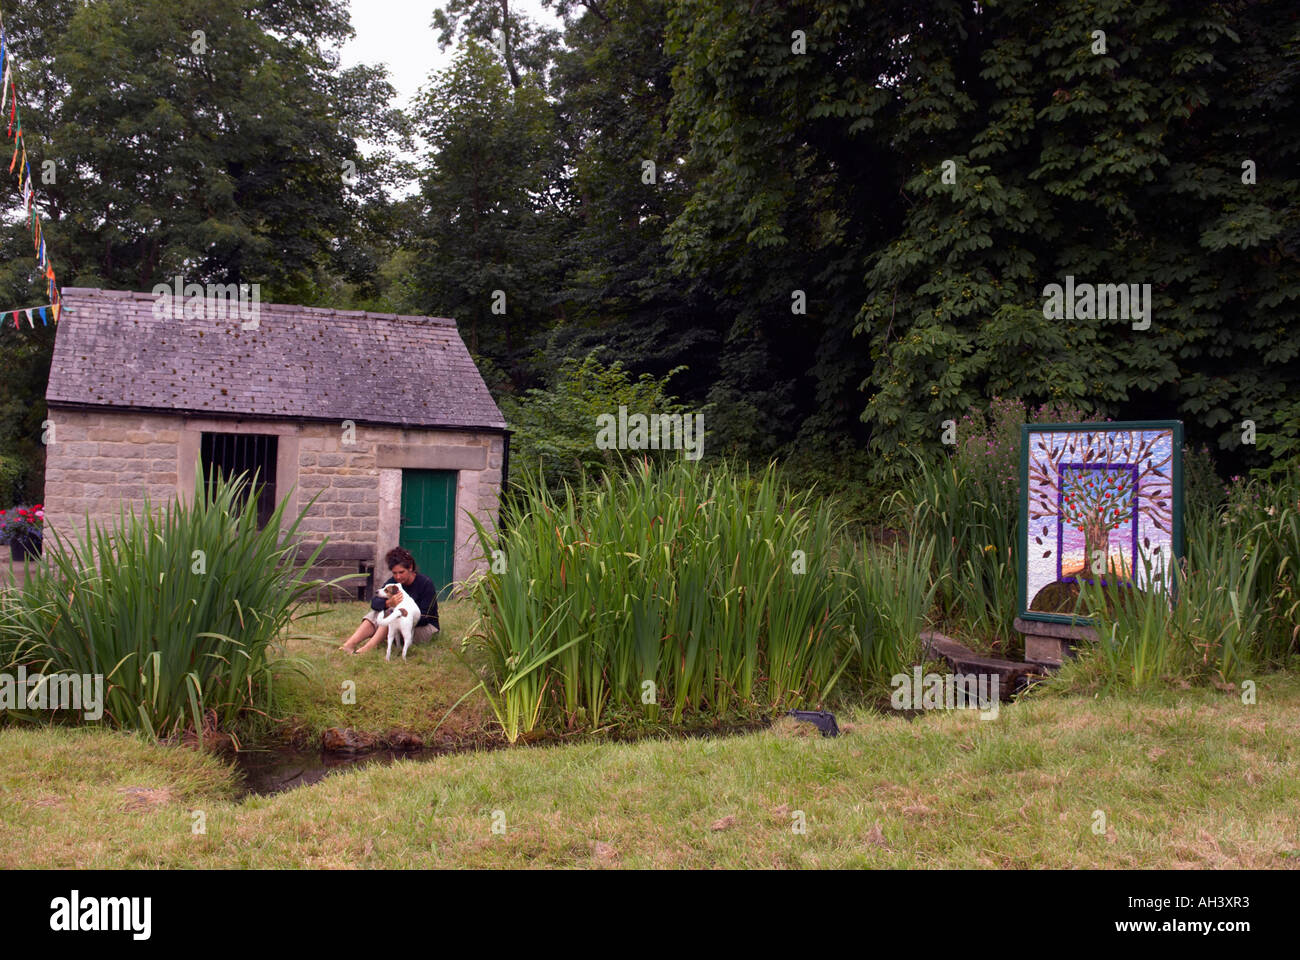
1234	606
555	428
890	595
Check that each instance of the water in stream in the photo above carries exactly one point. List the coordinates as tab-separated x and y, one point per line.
275	770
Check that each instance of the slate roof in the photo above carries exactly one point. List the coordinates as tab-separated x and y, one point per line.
304	363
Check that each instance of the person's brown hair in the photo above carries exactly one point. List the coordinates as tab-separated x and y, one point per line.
400	555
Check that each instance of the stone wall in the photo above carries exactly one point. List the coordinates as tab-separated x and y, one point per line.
99	462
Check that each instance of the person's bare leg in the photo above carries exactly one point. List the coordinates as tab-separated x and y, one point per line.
363	631
380	636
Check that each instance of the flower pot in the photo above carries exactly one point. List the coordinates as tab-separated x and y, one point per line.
24	549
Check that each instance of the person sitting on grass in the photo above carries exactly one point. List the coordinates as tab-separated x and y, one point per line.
422	591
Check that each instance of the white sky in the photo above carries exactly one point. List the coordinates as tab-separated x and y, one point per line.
399	35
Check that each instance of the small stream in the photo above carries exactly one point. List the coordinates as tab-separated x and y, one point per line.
270	770
274	770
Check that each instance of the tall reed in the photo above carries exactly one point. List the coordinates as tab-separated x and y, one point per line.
671	586
1263	519
177	609
1202	617
973	526
890	593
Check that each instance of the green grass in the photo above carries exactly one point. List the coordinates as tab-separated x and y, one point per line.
1185	775
1185	779
412	696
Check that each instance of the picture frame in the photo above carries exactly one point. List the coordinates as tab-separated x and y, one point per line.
1099	502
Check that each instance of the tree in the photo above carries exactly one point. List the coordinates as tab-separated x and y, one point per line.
612	85
220	155
525	48
554	427
202	138
1097	476
943	162
485	237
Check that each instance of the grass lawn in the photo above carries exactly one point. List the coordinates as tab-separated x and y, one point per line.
412	696
1186	778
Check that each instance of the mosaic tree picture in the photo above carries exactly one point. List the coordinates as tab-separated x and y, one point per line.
1095	501
1101	503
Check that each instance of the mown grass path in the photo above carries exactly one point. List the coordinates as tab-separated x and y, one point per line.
1188	778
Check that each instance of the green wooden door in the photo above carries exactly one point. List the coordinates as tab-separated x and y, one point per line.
429	523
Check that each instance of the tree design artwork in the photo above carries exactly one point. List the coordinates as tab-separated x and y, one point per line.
1096	501
1094	474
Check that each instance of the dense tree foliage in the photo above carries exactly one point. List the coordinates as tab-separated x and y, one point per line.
839	216
859	206
488	214
1113	157
210	139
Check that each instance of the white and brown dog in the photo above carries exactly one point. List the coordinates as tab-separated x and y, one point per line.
401	614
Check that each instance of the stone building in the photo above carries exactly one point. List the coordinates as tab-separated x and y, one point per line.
386	417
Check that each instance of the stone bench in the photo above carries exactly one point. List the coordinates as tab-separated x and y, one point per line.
333	561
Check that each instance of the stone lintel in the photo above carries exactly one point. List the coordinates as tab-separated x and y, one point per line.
430	457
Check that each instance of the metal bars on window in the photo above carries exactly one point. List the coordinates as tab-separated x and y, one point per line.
233	454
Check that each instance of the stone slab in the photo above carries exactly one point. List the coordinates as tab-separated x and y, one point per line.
1062	631
430	457
1052	651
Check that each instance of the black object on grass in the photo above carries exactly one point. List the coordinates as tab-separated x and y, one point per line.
821	719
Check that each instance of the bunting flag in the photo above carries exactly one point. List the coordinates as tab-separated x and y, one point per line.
48	309
27	189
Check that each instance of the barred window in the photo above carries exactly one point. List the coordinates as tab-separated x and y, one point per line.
234	453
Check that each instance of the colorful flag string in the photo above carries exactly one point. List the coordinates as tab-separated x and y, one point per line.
48	312
26	189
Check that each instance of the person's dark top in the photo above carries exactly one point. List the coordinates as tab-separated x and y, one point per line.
425	595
